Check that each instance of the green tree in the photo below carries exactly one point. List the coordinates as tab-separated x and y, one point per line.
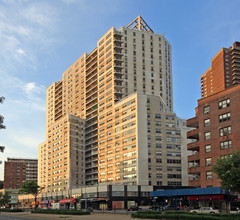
31	187
1	184
4	198
228	171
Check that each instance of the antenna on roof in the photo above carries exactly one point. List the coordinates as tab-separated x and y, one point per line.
139	24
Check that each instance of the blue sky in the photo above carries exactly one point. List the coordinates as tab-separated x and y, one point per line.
40	39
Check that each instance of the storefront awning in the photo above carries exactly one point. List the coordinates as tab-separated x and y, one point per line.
190	192
67	200
206	197
99	199
46	201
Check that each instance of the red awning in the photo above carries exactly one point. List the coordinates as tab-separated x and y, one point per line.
206	197
67	200
99	199
46	201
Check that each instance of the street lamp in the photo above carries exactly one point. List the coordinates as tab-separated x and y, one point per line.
85	197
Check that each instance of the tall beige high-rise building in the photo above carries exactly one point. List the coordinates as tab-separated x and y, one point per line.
117	102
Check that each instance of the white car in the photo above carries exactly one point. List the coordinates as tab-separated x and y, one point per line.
205	210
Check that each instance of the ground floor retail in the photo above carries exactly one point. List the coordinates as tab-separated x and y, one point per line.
195	198
103	197
108	197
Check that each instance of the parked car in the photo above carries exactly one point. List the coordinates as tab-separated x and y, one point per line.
205	210
134	208
171	207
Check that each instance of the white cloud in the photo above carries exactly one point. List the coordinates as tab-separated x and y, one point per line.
27	29
33	88
25	95
21	52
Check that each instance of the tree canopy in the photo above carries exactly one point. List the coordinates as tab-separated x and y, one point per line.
1	184
228	171
4	198
31	187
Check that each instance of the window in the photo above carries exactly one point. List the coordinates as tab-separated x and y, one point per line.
225	145
207	135
174	176
174	183
158	116
224	103
173	161
173	139
209	175
208	161
206	110
174	168
173	154
206	122
169	117
225	117
157	123
225	131
208	148
225	156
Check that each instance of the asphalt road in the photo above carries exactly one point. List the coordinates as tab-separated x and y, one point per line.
94	216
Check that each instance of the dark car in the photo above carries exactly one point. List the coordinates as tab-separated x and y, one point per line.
134	208
172	207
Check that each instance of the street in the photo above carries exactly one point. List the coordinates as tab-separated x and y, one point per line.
93	216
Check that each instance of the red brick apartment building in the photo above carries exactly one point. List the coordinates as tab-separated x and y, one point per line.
217	120
17	171
224	71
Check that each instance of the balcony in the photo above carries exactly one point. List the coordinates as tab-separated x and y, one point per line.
194	177
196	183
194	167
118	85
193	134
192	122
118	50
118	91
236	60
236	67
194	157
194	146
118	45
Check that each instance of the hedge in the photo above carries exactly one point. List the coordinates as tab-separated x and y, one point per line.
181	215
61	211
11	210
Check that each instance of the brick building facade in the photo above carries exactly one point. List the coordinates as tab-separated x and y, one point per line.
216	132
17	171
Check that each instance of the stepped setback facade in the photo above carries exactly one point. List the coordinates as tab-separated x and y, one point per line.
110	117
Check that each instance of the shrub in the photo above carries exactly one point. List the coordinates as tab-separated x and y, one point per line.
183	215
11	210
